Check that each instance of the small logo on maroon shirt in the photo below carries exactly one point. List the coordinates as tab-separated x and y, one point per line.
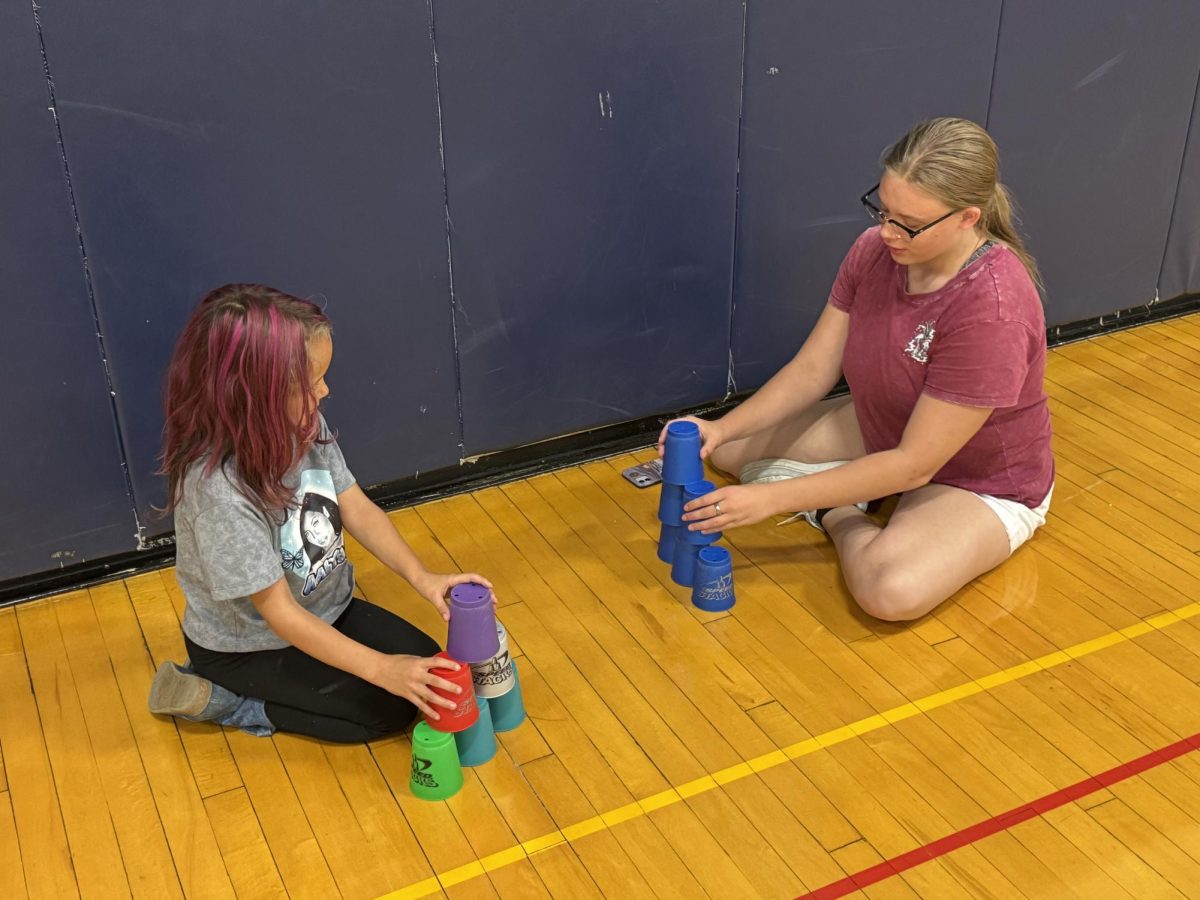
918	344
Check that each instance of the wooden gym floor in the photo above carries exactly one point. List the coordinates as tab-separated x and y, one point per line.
1032	738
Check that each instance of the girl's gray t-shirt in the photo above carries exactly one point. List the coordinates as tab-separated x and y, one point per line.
227	549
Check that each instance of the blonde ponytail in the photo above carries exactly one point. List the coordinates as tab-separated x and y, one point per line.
999	223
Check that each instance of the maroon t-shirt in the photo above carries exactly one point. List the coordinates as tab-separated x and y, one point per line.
978	341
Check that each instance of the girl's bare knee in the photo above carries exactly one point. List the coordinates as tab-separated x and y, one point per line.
893	595
727	460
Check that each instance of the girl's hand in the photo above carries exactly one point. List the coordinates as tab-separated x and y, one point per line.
710	435
740	504
409	677
436	588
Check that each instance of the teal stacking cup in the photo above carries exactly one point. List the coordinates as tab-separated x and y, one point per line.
508	710
712	582
477	744
436	772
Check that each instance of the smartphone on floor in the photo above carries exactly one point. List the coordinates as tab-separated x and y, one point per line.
644	474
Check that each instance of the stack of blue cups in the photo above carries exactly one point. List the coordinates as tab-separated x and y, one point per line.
681	465
695	560
688	543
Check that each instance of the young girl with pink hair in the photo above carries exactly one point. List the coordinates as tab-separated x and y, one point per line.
261	495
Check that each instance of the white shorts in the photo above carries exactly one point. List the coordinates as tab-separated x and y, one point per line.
1019	521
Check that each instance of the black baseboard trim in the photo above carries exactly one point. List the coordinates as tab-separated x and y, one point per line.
532	459
1123	319
87	574
485	471
521	462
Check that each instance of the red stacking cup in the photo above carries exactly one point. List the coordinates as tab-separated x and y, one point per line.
466	713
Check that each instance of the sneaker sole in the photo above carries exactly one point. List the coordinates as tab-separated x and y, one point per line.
177	693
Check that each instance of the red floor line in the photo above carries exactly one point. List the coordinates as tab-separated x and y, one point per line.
1002	822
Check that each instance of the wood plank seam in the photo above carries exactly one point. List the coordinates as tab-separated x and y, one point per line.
803	748
1022	813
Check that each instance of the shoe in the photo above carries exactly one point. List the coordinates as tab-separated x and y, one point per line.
811	516
178	692
764	471
761	471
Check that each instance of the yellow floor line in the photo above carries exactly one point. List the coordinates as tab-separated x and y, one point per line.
414	891
659	800
616	816
545	842
811	745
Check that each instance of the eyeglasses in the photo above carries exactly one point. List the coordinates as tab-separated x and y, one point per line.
877	215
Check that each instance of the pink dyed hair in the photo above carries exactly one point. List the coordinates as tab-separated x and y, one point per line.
242	354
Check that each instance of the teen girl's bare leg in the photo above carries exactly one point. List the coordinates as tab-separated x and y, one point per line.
826	432
938	539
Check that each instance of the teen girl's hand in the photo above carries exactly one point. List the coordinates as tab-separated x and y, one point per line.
710	435
730	507
409	677
436	588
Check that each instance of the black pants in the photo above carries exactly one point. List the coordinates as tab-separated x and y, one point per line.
306	696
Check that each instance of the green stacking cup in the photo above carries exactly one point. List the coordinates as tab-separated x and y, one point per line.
436	772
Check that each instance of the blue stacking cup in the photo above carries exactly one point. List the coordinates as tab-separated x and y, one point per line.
477	744
683	563
667	536
681	453
508	710
712	584
693	491
670	504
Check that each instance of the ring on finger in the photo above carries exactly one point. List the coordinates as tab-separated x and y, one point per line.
717	507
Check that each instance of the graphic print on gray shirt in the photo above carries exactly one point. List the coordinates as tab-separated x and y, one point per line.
228	549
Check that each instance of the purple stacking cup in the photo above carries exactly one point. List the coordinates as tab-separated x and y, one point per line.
681	453
694	491
712	583
472	637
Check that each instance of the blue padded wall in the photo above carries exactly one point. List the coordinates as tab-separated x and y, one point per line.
578	264
62	492
827	88
290	143
591	157
1090	108
1181	262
